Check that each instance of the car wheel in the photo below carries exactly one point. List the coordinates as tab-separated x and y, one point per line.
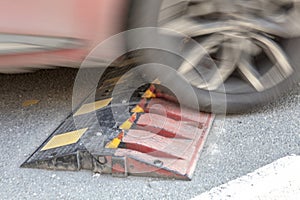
252	47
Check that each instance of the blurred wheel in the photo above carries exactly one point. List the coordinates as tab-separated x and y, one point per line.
254	45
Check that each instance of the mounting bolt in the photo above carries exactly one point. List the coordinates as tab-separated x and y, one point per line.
158	163
102	160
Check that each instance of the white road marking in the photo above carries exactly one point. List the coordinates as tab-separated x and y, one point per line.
278	180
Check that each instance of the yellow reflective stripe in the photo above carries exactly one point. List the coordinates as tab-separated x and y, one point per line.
30	102
149	94
137	109
126	125
64	139
117	80
111	81
87	108
113	144
156	81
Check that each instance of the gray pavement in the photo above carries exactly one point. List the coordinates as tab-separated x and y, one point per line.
234	148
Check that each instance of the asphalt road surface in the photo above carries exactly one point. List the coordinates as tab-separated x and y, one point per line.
242	144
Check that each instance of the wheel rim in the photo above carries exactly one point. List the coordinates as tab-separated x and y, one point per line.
245	39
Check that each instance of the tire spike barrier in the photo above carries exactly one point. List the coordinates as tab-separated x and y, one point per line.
155	137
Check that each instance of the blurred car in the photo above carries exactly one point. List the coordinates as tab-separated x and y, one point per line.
253	44
36	34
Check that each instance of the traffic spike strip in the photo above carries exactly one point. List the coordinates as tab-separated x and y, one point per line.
154	137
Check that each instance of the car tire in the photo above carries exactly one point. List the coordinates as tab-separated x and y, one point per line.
144	13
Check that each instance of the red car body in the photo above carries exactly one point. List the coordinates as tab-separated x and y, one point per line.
59	33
